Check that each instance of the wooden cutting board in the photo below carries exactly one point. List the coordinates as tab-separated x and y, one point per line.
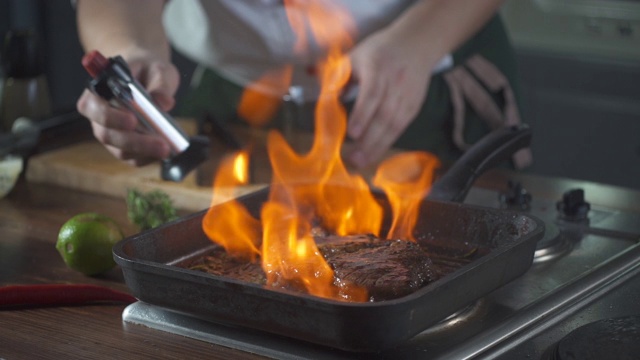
88	166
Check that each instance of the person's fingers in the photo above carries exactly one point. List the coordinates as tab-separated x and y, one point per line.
129	145
115	128
161	81
164	102
385	128
370	95
99	111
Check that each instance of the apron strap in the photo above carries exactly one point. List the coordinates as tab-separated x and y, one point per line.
465	86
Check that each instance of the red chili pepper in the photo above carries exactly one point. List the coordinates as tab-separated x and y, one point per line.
59	294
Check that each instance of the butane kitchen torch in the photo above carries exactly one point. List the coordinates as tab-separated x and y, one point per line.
112	80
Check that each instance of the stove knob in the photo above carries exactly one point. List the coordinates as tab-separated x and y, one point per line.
572	207
516	197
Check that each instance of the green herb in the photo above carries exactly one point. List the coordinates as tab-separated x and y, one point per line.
149	210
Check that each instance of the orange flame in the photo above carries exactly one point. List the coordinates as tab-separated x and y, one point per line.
331	25
258	107
222	220
292	259
406	179
314	188
318	183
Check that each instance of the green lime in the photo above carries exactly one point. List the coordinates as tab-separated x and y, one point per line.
85	242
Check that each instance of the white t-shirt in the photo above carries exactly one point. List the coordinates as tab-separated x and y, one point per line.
244	39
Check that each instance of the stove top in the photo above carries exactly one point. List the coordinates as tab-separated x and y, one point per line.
586	269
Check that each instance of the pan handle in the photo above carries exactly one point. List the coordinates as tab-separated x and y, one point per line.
491	150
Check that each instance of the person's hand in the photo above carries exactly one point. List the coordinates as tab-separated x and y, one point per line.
393	81
116	127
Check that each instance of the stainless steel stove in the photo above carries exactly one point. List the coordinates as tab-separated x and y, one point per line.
586	268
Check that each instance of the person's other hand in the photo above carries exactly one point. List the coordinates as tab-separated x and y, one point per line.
393	80
116	127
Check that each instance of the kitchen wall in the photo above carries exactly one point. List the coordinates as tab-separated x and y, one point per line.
580	69
579	65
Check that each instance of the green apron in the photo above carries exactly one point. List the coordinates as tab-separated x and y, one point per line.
430	131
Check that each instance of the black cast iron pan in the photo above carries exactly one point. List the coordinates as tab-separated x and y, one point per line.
149	260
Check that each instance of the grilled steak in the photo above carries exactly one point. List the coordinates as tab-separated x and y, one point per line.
388	269
219	263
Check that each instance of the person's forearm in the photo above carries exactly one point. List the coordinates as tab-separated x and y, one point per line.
115	25
440	26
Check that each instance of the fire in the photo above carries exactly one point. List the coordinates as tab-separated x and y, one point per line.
292	259
222	220
406	179
315	189
258	107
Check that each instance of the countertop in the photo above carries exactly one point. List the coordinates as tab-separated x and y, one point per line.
30	218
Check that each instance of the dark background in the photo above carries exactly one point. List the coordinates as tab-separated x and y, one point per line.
584	107
54	21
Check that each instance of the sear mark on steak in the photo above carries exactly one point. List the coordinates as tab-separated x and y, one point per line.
388	269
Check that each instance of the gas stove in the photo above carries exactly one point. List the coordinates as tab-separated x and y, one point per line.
586	269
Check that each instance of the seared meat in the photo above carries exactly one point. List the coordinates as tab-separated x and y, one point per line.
388	269
219	263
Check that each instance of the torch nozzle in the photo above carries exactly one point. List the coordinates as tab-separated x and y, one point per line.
94	62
